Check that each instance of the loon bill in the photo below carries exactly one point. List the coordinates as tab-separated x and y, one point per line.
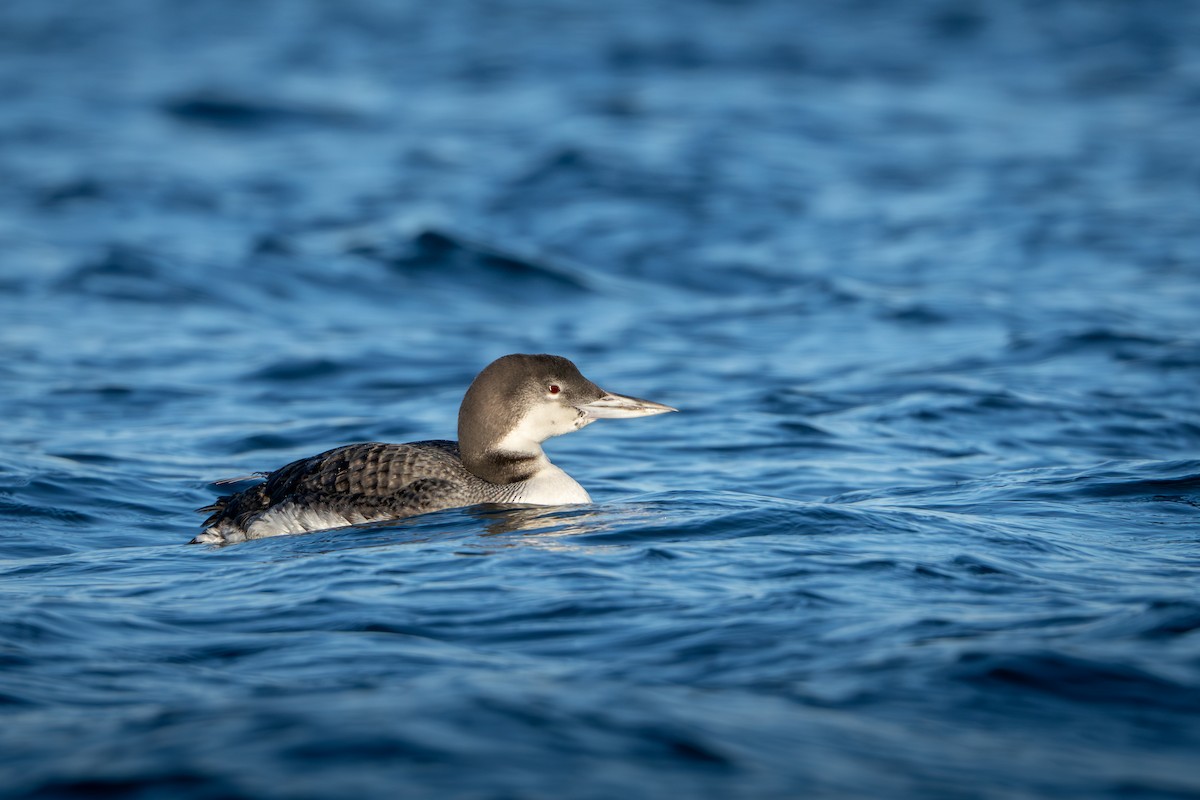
513	405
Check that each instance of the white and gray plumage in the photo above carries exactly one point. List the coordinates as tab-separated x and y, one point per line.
513	405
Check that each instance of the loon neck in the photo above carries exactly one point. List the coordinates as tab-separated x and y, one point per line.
505	466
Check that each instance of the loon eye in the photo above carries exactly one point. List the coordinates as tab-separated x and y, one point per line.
554	388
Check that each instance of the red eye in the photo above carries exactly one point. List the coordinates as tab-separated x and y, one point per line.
554	388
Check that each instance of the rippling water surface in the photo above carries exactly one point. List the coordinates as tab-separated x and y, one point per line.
921	277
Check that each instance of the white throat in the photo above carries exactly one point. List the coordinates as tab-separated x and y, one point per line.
549	485
542	422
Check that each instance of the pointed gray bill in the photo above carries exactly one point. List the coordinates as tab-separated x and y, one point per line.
617	406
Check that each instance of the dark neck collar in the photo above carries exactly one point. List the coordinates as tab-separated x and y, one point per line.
499	467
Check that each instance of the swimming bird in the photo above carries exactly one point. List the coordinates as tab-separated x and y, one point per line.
513	405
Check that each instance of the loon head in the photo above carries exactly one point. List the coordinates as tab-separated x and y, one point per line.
519	401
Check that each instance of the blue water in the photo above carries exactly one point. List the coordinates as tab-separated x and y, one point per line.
922	278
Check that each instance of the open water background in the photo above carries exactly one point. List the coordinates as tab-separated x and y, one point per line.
921	276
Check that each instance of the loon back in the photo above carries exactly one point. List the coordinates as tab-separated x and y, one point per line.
347	486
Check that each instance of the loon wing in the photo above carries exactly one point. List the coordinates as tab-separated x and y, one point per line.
372	480
253	476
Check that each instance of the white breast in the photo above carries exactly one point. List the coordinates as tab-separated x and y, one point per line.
550	486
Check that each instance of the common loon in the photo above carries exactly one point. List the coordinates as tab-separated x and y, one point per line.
513	405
